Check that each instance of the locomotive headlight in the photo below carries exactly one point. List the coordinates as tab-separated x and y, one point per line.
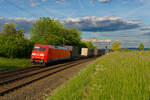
41	54
34	54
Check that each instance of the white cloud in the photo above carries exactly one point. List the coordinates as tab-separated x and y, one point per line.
34	3
92	23
145	34
19	22
141	0
60	1
145	28
104	1
43	0
89	23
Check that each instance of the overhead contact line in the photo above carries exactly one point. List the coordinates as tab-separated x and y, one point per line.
20	8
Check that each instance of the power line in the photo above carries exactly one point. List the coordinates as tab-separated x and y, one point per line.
32	14
20	8
44	9
48	11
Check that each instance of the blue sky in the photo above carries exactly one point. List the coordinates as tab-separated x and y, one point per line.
128	9
125	20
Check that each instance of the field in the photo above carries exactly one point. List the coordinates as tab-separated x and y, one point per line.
9	64
117	76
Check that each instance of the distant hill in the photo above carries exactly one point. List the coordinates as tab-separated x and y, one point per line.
135	48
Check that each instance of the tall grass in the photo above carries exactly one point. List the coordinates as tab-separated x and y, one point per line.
9	64
117	76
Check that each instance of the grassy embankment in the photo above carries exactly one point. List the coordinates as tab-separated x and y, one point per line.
117	76
9	64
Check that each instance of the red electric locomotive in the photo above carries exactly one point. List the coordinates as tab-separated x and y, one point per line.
43	54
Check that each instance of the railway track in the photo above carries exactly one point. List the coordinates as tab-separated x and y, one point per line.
12	83
8	74
17	75
14	73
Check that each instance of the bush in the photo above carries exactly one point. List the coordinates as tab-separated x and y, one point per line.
116	46
125	49
141	46
12	48
13	44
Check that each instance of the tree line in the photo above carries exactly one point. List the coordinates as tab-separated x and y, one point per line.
14	44
116	46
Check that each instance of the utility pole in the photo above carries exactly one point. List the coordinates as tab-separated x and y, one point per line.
96	43
96	40
63	42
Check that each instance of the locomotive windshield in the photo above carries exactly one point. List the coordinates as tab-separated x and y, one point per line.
39	48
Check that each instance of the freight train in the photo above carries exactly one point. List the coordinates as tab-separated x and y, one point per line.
43	54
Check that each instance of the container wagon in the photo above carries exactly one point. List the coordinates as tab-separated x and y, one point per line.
74	51
101	52
87	52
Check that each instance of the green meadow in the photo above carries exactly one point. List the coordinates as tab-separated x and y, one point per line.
9	64
116	76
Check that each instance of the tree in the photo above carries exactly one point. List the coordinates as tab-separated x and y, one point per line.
71	36
116	46
49	31
125	49
90	45
141	46
13	43
82	45
9	29
45	28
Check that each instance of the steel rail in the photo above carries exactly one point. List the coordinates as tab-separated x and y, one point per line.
55	70
11	73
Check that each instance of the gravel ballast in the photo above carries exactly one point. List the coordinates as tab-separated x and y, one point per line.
41	89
